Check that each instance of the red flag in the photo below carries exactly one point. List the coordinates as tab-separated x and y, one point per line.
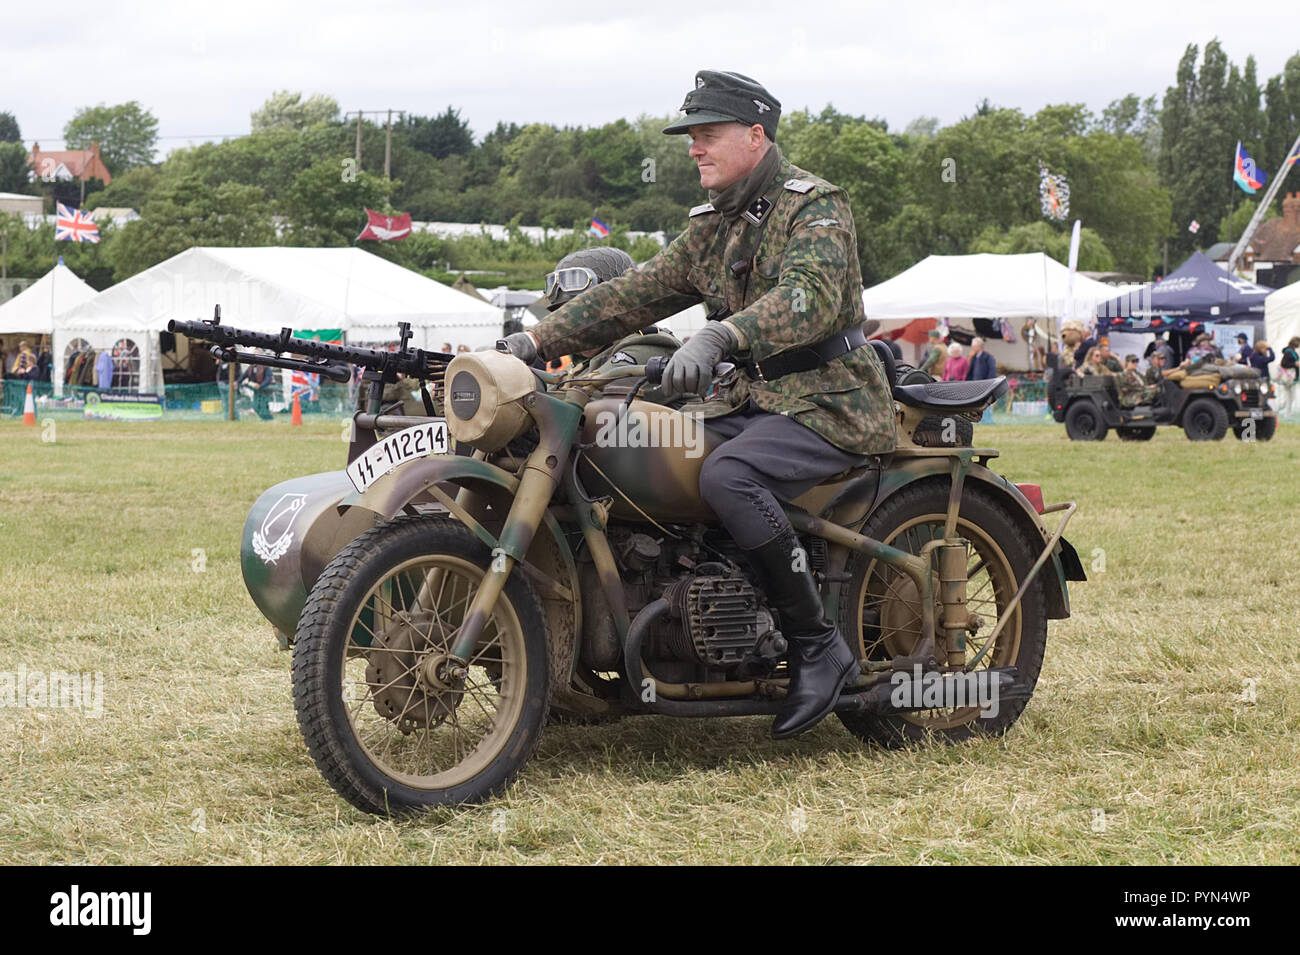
386	228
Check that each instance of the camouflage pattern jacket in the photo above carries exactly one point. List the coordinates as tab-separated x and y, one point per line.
804	287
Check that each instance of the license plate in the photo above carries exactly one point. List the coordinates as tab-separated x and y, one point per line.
1256	413
408	444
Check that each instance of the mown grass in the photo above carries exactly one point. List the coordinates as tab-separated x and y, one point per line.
119	554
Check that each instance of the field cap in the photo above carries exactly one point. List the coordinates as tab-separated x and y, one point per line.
722	97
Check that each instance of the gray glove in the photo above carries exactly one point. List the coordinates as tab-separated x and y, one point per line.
690	370
521	345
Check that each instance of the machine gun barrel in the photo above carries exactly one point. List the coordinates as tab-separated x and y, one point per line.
411	362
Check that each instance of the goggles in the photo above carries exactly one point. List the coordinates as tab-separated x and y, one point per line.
563	284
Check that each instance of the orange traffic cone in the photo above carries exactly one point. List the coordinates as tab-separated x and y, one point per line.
296	418
29	409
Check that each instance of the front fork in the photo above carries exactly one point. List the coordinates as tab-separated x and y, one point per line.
557	424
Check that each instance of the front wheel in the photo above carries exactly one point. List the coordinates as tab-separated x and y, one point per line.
1251	429
880	611
1205	420
393	722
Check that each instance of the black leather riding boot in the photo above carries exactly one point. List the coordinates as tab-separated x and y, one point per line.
820	661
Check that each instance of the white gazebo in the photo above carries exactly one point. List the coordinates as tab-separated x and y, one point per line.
266	289
32	311
986	285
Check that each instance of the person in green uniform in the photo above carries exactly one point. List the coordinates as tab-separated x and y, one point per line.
773	256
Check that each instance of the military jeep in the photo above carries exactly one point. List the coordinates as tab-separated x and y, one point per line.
1205	409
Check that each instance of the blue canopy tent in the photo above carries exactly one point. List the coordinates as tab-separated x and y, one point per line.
1197	291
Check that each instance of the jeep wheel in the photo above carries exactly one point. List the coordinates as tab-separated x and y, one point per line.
1264	429
1205	420
1083	422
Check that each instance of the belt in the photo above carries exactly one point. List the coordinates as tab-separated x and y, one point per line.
806	358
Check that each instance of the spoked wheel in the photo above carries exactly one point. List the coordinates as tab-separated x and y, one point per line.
880	614
393	721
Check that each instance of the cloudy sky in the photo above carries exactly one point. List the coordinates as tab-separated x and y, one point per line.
202	68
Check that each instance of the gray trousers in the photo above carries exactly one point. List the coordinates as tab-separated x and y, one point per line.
764	457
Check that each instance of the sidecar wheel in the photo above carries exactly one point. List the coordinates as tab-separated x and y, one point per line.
880	612
387	722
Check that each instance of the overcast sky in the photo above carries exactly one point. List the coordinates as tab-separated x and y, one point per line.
202	68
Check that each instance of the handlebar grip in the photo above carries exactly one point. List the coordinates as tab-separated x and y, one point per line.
654	369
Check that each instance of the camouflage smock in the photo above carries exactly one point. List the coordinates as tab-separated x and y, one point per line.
805	286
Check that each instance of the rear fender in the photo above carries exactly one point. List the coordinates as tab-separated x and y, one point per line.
852	507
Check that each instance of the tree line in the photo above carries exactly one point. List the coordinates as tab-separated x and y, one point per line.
1139	174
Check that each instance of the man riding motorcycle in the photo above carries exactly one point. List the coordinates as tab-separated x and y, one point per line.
773	254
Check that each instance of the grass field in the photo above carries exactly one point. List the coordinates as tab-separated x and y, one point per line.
119	554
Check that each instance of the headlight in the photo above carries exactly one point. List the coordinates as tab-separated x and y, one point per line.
485	392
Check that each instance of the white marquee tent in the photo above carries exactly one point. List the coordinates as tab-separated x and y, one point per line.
266	289
985	285
32	312
1281	320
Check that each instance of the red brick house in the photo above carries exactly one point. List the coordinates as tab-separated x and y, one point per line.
69	164
1274	249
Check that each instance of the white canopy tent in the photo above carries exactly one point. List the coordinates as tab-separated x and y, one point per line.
1281	320
33	311
266	289
986	285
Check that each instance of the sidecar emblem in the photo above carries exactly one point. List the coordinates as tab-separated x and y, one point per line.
279	519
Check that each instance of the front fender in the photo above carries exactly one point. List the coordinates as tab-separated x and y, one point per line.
549	563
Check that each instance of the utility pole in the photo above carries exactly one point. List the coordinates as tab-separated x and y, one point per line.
388	146
1262	210
388	135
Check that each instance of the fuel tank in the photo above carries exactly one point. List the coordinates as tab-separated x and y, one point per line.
292	532
648	454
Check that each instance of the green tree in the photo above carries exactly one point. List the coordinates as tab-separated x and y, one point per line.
1281	115
1200	122
131	190
1232	225
9	132
440	136
862	159
1047	238
327	209
922	127
127	134
13	167
183	212
286	110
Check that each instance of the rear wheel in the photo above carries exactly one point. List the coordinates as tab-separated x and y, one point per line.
1205	420
1083	422
393	722
880	613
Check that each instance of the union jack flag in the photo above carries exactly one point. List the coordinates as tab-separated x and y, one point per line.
304	385
73	225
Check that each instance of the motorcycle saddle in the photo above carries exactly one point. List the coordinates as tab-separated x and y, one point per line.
952	394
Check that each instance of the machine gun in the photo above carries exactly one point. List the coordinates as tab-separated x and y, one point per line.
331	361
